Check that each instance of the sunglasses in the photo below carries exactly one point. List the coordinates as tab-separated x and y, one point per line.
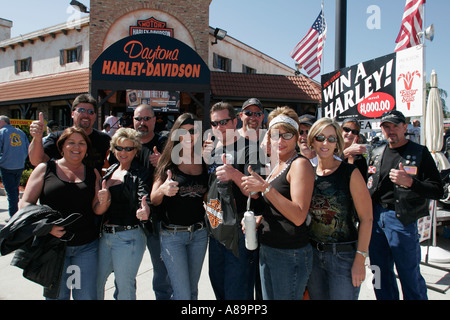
142	118
253	113
221	122
354	131
84	110
322	138
127	149
285	136
303	132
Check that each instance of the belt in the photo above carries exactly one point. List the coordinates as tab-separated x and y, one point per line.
114	229
191	228
333	247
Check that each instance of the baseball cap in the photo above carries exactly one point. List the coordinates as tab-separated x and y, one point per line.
393	116
307	119
252	102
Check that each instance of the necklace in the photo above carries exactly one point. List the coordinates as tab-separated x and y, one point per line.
294	156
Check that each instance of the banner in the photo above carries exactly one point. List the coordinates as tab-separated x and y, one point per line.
366	90
161	101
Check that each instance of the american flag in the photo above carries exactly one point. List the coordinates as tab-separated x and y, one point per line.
308	52
411	25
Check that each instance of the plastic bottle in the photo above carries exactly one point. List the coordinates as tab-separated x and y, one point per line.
251	242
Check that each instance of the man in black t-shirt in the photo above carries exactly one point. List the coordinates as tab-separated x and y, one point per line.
402	176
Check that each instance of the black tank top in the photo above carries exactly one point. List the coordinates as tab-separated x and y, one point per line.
72	197
277	231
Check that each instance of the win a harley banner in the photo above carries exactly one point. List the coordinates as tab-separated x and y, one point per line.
366	90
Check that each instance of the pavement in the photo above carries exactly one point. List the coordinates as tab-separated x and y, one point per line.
14	287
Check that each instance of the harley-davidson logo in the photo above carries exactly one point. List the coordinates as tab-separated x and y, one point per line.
151	25
214	212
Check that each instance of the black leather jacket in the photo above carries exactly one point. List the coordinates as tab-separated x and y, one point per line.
39	254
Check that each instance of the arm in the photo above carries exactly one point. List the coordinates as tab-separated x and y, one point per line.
36	152
160	189
363	205
34	186
102	198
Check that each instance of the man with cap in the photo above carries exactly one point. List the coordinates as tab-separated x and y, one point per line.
252	117
306	121
402	176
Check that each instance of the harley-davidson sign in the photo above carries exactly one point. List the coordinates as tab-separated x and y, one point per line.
368	89
151	25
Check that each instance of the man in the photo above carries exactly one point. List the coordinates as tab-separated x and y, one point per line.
232	276
144	121
402	176
84	116
306	121
252	117
113	123
414	133
13	153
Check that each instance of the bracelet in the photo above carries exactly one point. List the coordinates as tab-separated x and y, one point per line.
267	190
363	253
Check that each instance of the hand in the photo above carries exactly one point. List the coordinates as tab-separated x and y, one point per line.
358	270
208	147
355	148
144	211
400	177
103	194
57	231
154	158
254	182
169	187
226	171
37	127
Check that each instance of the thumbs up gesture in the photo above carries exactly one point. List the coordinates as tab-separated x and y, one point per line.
254	182
154	157
170	187
208	146
103	194
401	177
37	127
226	171
144	211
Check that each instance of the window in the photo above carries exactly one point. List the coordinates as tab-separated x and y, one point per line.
248	70
71	55
222	63
22	65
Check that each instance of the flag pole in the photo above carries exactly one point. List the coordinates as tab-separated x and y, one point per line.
341	34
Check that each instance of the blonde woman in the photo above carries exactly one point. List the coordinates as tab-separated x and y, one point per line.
339	201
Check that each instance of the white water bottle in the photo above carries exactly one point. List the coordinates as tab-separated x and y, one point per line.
251	242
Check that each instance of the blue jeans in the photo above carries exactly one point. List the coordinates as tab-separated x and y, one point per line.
183	254
331	277
161	282
393	243
11	181
232	278
284	272
79	275
122	253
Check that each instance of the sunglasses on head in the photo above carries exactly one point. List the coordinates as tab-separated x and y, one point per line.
285	136
354	131
322	138
221	122
253	113
83	110
127	149
142	118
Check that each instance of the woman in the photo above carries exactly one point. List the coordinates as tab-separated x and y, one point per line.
353	150
339	245
180	185
285	252
122	199
69	186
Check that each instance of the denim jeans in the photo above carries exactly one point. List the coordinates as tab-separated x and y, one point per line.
11	181
331	277
79	275
393	243
232	278
161	282
284	272
121	253
183	254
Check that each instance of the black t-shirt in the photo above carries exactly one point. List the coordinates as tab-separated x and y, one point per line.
147	150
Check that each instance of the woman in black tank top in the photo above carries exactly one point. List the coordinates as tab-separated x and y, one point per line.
67	185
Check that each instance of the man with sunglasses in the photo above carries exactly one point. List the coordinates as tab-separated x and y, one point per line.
252	117
353	150
84	115
402	177
305	123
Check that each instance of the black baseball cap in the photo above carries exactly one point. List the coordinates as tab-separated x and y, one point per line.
307	119
393	116
252	102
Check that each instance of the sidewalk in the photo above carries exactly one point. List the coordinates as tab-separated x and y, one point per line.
14	287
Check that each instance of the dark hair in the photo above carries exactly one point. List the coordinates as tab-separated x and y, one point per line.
219	106
84	98
67	133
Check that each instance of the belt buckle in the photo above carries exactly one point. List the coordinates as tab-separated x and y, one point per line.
319	247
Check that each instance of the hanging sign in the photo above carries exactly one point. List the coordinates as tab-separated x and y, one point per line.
366	90
151	25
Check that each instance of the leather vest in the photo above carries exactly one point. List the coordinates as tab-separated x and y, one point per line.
409	205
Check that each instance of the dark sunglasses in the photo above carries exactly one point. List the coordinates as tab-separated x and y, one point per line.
221	122
303	132
354	131
253	113
142	118
83	110
322	138
285	136
127	149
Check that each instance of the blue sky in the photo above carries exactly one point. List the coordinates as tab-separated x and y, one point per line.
275	27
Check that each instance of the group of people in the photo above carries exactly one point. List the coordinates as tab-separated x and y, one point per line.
321	207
